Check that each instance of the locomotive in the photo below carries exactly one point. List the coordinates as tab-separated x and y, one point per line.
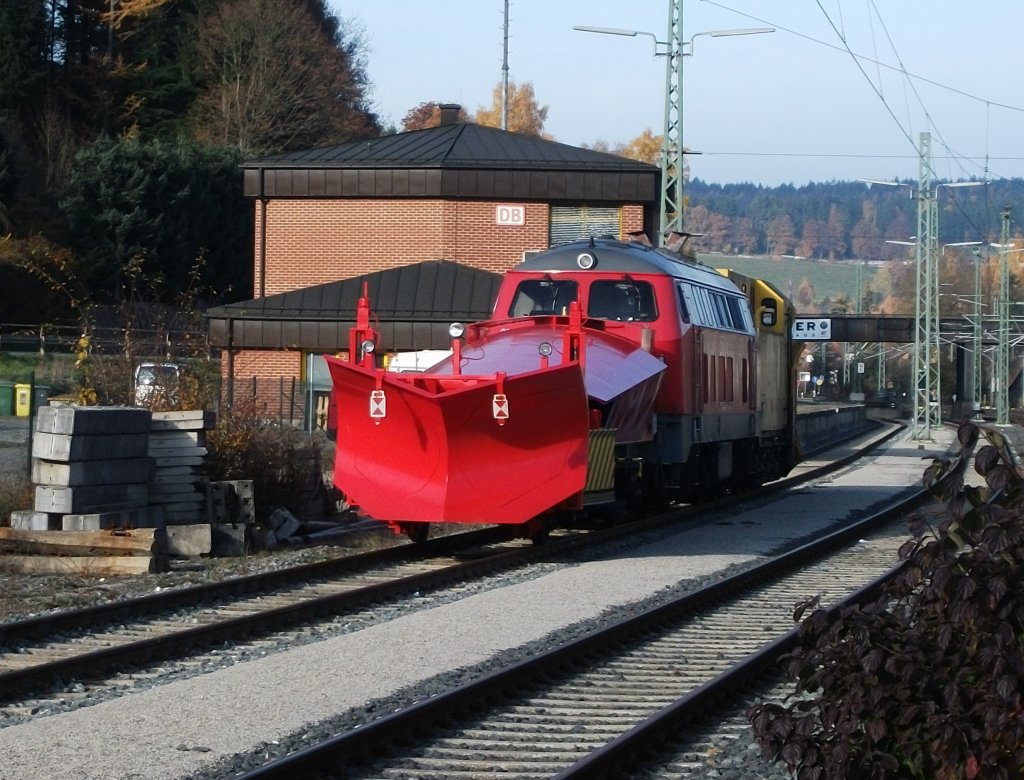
610	371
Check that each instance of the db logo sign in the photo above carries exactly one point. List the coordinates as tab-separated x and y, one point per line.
510	215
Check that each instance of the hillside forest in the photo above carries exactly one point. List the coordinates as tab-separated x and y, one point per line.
122	127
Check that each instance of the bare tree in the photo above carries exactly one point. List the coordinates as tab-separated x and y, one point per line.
275	80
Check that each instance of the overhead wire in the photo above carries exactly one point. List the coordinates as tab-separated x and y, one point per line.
909	80
864	57
932	125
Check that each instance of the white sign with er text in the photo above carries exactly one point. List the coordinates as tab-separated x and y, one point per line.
812	329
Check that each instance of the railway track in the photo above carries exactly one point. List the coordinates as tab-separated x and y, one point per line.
396	651
53	662
593	707
46	653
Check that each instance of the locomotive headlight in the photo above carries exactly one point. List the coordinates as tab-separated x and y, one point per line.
586	261
544	348
368	347
456	329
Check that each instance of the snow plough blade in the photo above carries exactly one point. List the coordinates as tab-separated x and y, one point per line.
459	449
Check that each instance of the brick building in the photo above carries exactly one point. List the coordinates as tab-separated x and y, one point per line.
466	200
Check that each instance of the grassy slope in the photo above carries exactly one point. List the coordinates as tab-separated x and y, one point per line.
830	279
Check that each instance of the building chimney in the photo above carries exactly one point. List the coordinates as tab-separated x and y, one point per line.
450	113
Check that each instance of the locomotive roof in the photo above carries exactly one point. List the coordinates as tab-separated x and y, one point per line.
612	255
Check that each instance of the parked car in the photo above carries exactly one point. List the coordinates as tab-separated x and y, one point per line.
157	383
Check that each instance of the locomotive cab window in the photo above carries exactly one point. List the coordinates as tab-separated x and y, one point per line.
544	296
622	301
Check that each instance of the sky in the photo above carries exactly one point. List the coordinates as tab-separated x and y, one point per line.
842	90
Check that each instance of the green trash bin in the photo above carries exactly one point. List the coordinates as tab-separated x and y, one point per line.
6	398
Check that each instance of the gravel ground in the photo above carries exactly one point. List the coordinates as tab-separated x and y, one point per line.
213	724
24	596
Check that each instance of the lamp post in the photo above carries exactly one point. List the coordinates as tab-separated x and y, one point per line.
672	161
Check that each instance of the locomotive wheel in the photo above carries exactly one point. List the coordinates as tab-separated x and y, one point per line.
417	532
538	530
645	492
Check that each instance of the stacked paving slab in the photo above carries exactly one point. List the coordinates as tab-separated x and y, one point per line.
91	470
99	468
177	445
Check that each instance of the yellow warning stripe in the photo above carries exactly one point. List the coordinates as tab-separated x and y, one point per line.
601	459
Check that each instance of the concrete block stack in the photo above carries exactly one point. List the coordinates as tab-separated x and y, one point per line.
177	444
232	512
231	501
91	470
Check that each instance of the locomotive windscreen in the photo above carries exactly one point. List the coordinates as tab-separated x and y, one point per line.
544	296
624	301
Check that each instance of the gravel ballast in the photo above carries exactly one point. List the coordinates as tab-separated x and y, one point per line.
200	725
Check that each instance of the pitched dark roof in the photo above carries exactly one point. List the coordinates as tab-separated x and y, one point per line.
414	304
456	161
454	146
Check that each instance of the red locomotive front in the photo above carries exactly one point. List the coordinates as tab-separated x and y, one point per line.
609	370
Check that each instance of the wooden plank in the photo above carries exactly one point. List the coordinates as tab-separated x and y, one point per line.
135	541
91	566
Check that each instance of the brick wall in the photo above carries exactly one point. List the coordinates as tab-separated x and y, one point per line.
264	382
311	242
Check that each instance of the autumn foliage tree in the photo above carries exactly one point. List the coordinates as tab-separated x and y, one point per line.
645	148
427	115
525	114
122	125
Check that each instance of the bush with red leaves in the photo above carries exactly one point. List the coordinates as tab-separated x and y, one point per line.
926	680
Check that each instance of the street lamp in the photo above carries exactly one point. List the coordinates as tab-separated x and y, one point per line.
673	49
666	44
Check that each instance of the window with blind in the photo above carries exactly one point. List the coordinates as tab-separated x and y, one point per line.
572	223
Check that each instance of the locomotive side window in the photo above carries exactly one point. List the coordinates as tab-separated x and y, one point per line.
684	310
544	296
623	301
699	304
722	313
716	309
